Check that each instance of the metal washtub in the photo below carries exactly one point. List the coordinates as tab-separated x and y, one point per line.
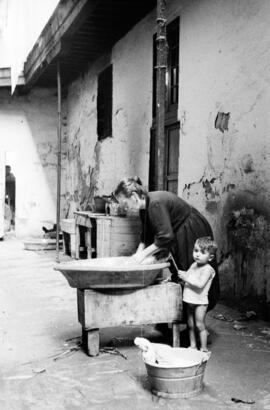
110	273
183	379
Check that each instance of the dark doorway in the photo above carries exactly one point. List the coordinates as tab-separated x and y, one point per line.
10	197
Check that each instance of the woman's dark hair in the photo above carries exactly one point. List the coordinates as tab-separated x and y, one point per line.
127	186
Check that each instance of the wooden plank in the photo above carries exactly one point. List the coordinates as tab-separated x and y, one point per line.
68	225
176	335
90	341
55	37
153	304
81	307
104	249
103	237
73	245
83	221
77	242
88	243
117	236
123	248
125	221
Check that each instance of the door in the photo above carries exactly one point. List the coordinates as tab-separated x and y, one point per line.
172	125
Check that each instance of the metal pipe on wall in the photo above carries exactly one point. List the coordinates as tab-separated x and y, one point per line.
59	154
161	47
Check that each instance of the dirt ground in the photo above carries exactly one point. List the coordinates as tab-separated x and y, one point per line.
44	367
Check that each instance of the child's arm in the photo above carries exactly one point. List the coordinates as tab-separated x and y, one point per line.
182	274
197	282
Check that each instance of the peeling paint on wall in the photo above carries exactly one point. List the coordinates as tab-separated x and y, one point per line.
247	163
94	168
222	121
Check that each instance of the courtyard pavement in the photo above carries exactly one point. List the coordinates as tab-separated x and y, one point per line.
42	365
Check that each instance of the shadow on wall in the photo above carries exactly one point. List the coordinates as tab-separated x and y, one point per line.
245	266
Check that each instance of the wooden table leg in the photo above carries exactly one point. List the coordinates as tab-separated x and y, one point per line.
90	341
73	245
77	241
88	243
176	334
65	243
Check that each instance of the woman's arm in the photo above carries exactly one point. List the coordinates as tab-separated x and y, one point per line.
161	223
140	248
139	256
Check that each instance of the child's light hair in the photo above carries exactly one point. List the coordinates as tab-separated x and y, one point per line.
206	243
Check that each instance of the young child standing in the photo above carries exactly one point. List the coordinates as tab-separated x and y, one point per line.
197	281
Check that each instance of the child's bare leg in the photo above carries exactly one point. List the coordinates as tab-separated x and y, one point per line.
200	314
191	326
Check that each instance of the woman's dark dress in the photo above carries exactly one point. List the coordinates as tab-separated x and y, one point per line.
173	225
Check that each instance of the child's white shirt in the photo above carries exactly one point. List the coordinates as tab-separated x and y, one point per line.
193	294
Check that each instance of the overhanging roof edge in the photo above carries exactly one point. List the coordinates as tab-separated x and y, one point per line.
64	21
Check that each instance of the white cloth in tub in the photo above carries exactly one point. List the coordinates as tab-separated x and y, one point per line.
155	353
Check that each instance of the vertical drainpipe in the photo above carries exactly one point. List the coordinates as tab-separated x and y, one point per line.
161	46
59	152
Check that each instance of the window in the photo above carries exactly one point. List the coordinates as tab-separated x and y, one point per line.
173	64
104	104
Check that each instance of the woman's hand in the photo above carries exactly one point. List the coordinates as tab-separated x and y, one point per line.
135	258
149	260
140	248
140	255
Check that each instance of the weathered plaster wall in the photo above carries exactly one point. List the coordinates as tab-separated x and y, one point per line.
224	67
29	131
94	167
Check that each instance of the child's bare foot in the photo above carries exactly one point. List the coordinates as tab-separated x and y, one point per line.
209	338
207	352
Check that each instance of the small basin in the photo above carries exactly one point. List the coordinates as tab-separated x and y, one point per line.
40	244
109	273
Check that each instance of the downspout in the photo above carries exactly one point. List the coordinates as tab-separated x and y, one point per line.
59	154
161	47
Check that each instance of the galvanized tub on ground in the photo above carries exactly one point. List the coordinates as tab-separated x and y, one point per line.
181	380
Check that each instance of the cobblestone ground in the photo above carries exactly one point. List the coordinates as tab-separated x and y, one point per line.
43	366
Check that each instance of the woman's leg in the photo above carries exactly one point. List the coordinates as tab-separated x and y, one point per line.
200	314
191	326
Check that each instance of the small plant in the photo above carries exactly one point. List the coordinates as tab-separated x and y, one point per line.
248	230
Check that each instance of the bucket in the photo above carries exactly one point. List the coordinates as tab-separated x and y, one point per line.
182	380
99	204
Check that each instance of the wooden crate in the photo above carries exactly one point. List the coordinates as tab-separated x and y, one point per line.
117	236
153	304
